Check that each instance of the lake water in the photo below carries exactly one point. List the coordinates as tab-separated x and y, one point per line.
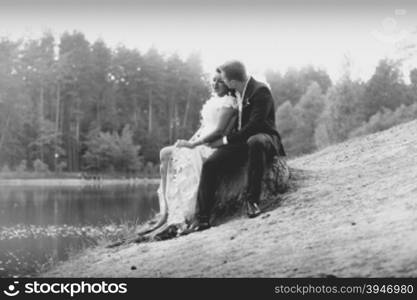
42	225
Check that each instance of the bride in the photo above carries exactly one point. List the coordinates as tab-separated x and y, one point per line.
182	162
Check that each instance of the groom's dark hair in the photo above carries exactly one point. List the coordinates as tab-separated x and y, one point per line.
234	70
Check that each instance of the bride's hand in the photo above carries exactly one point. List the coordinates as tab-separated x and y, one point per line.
184	143
178	143
187	144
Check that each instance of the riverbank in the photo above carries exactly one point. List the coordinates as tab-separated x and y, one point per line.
353	214
76	182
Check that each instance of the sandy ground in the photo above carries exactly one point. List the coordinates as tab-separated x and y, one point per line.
354	213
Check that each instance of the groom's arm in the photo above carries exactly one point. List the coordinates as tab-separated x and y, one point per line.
262	103
217	143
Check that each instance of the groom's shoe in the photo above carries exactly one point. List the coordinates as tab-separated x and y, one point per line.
196	226
252	210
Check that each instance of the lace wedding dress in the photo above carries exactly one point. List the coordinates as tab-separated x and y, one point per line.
184	166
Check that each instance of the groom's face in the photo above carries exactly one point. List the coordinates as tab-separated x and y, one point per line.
230	83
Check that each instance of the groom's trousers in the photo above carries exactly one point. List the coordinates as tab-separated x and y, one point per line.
258	152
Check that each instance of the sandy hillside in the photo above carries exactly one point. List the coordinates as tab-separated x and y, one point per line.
354	213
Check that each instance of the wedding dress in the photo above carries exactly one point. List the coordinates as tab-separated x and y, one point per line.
185	164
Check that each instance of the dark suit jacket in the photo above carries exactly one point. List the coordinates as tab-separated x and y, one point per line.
258	116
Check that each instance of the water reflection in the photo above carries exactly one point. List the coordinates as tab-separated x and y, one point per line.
42	224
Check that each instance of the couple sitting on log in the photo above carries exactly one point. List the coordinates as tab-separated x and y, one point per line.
235	149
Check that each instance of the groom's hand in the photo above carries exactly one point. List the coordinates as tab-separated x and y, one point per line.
216	144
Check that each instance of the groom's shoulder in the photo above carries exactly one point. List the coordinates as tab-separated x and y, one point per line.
261	87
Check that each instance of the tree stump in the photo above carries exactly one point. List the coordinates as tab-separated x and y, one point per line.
230	195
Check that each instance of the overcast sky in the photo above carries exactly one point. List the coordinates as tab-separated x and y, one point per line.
264	34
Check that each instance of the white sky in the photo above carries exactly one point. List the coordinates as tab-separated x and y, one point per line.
264	34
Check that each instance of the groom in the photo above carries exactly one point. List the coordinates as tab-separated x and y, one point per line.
256	141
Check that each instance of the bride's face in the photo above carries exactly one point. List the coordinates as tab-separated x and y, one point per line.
220	88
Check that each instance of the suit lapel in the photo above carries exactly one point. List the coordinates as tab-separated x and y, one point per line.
250	88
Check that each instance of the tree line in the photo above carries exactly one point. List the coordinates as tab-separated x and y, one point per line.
314	113
67	104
